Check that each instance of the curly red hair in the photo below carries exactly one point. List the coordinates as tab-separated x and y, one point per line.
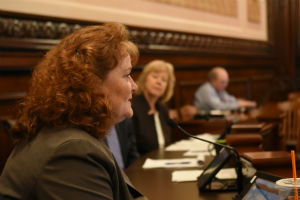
63	86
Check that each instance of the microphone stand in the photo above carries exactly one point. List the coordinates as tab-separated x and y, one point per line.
173	124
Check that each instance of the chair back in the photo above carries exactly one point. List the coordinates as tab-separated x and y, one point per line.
291	124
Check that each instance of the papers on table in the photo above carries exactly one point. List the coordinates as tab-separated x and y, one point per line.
185	175
193	144
170	163
195	148
200	154
192	175
227	173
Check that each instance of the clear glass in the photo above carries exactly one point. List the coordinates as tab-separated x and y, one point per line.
287	188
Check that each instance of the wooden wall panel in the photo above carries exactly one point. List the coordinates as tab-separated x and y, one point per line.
260	71
297	31
15	73
252	87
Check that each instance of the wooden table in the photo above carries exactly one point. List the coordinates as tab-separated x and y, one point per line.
156	183
275	162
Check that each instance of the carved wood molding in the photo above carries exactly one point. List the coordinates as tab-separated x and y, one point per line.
175	42
12	27
35	34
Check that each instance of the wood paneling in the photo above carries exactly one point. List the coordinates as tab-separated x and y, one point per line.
260	71
254	88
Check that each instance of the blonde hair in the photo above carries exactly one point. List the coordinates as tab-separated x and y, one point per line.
158	66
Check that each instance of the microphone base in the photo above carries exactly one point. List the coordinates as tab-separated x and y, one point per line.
208	181
228	185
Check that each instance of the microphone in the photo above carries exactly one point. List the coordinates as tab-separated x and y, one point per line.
174	124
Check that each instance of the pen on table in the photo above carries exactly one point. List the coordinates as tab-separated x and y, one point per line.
178	163
294	173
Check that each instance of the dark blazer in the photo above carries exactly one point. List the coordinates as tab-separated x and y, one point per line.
127	142
64	164
144	124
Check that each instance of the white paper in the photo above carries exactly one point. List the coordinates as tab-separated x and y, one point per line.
199	153
201	156
227	173
193	144
192	175
170	163
186	175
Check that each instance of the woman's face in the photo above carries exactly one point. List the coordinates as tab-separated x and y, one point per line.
156	83
119	87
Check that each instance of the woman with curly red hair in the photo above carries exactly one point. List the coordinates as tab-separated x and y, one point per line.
78	91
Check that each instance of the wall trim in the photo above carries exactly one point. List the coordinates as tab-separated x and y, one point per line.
35	33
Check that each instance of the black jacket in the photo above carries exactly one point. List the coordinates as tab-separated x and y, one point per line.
144	125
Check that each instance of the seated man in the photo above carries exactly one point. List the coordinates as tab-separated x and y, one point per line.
121	141
212	95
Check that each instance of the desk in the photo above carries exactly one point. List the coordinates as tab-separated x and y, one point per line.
270	112
274	162
156	184
247	127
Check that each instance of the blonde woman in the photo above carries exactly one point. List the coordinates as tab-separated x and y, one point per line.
155	88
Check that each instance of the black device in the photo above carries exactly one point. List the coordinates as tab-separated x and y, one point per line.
208	181
219	161
261	186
